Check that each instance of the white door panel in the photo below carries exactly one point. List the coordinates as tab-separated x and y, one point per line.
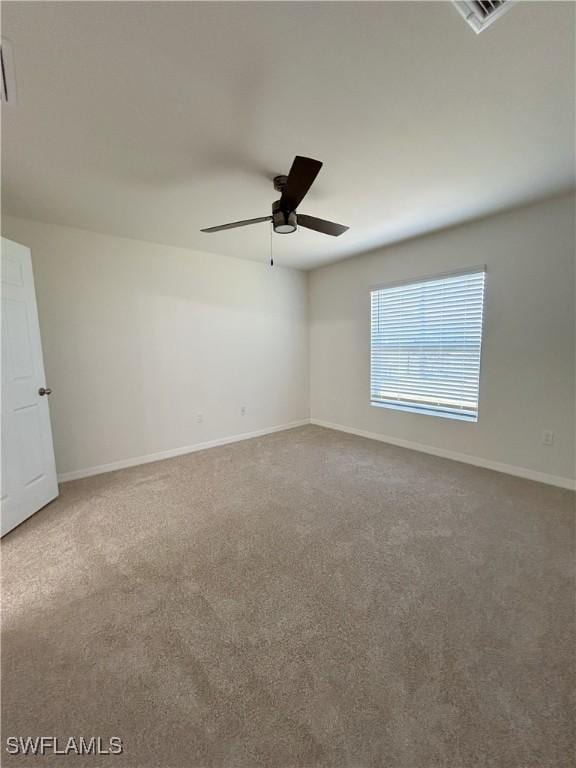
28	468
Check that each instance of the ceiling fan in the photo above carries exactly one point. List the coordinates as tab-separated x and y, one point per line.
293	188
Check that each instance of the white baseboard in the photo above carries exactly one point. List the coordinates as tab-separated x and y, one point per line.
124	463
508	469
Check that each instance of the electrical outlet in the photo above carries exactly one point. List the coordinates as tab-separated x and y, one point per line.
199	418
243	410
547	437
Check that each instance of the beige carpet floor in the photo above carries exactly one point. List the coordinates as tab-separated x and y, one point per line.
307	599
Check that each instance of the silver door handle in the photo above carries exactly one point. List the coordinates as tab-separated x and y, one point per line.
44	391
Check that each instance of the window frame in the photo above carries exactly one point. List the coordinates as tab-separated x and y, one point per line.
422	410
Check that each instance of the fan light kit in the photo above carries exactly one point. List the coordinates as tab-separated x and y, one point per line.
293	188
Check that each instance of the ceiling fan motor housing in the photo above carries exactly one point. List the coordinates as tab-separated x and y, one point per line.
284	222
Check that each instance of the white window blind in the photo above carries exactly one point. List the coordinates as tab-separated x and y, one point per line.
425	345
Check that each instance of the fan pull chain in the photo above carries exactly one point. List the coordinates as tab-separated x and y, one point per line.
271	257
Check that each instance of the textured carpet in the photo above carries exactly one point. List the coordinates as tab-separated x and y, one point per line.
306	599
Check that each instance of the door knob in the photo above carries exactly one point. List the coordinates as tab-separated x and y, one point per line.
44	391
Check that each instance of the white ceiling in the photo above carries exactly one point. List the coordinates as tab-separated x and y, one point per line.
152	120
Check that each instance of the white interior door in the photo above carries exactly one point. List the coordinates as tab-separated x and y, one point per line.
28	469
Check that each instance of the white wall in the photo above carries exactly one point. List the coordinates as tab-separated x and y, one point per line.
139	338
527	376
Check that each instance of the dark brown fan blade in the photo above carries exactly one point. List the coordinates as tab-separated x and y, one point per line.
321	225
303	172
234	224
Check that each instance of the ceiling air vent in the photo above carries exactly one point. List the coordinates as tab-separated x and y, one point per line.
7	79
481	13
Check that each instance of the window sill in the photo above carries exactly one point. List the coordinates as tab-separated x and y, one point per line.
426	411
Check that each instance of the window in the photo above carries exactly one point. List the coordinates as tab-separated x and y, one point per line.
425	345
